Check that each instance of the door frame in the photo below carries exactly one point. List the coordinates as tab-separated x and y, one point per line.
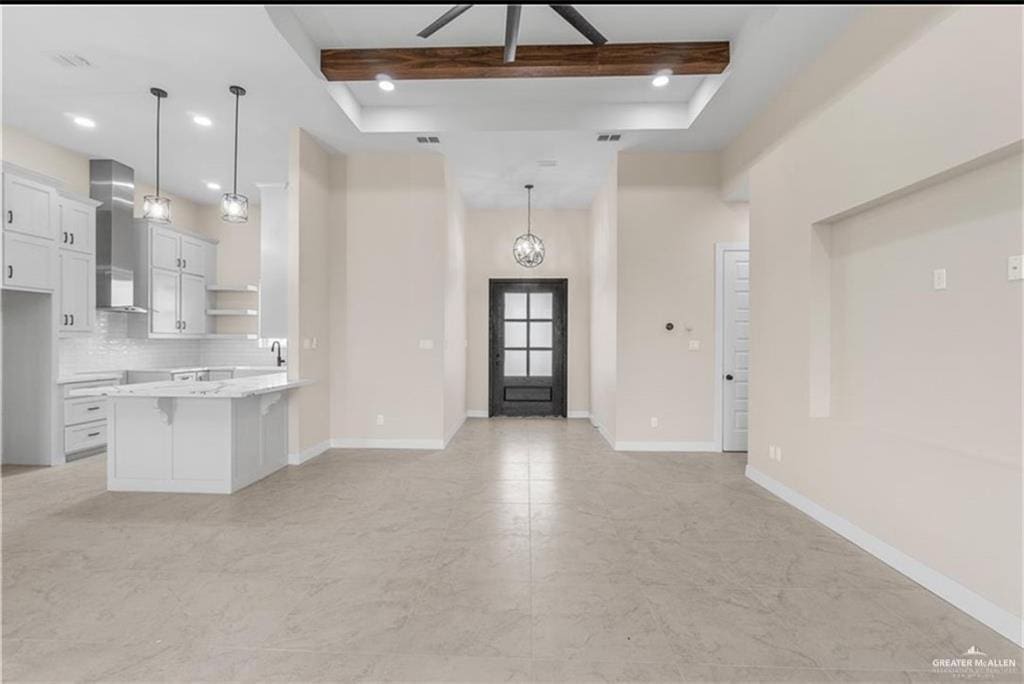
492	349
720	249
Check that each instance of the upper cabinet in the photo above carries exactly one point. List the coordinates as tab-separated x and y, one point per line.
76	239
173	270
77	225
29	207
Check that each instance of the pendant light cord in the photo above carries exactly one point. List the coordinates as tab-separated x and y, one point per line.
529	210
234	185
158	145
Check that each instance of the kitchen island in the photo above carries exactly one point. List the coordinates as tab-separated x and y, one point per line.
195	436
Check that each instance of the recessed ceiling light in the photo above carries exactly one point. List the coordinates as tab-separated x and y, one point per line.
212	186
201	120
661	78
385	83
84	122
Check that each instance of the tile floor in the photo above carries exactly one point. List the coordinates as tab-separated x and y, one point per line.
527	550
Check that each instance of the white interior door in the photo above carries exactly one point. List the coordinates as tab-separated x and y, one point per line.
735	348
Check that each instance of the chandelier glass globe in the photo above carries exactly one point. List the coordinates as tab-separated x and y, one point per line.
528	250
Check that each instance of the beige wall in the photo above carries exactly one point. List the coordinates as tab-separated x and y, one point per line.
396	265
455	341
604	304
309	227
898	408
489	237
872	38
670	216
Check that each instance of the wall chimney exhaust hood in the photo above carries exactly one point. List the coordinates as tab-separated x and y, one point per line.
113	184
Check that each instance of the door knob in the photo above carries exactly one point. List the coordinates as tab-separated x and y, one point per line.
728	376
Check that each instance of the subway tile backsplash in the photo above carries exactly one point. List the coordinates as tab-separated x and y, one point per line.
108	347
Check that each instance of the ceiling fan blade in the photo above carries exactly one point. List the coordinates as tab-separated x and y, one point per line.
512	14
443	20
576	20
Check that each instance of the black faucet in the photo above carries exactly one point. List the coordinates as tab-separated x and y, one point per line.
277	344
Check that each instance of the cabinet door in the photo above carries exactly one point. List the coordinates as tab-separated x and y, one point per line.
163	301
29	207
164	248
77	225
77	280
193	304
28	262
193	255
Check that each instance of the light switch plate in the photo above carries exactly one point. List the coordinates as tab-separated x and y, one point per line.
654	421
1015	267
939	279
694	345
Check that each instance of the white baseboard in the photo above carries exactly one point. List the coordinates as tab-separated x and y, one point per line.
976	606
453	431
602	431
476	413
361	443
309	452
665	446
578	414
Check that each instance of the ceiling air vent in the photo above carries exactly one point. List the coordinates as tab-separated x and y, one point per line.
70	60
547	163
427	139
609	137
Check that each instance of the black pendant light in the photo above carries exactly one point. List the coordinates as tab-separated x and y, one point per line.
234	208
155	207
528	248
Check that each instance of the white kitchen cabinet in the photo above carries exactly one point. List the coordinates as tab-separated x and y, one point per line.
28	262
77	225
193	304
29	207
77	291
163	302
165	248
193	256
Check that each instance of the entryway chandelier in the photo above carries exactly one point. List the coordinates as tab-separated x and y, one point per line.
528	248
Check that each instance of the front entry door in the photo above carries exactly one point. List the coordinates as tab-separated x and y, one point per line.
735	348
528	347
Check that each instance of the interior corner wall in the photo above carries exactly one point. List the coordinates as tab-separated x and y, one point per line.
396	264
915	450
455	341
309	338
670	215
490	234
338	278
603	219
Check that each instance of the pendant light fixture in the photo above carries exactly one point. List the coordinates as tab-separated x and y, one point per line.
155	207
528	248
234	208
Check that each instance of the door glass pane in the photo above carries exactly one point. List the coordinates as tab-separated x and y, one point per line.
540	305
515	364
540	334
540	363
515	305
515	334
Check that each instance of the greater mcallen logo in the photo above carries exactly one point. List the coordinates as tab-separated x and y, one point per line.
975	663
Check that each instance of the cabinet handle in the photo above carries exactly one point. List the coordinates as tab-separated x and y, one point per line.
93	408
178	261
72	319
10	216
10	271
65	237
72	238
184	324
94	434
177	325
184	263
65	319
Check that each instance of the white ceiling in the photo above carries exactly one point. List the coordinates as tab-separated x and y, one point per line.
493	131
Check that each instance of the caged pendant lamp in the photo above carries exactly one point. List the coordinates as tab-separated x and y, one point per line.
528	248
155	207
234	208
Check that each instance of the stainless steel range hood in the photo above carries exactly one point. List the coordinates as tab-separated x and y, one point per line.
113	184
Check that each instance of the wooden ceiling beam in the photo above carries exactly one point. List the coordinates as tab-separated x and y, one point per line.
532	61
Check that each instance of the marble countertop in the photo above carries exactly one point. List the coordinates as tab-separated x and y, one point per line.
194	369
236	388
90	377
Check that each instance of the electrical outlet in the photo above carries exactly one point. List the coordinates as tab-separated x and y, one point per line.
1015	268
778	454
426	344
771	452
694	345
939	279
654	421
316	342
380	419
306	343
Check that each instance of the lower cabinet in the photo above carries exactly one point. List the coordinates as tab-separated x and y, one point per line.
77	291
28	262
85	419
